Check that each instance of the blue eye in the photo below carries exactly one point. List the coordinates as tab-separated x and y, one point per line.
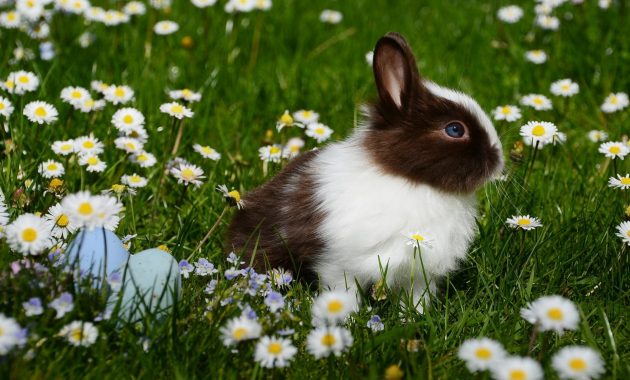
455	130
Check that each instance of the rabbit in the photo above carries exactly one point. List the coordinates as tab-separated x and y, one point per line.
338	216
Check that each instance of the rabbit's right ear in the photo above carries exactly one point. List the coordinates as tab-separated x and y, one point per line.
395	71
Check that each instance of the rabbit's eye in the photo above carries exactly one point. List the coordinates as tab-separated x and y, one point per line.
455	130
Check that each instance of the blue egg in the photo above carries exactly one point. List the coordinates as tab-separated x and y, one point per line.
96	252
152	283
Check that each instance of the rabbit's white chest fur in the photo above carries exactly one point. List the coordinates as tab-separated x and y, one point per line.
369	213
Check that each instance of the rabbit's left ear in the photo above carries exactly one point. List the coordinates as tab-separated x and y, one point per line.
395	71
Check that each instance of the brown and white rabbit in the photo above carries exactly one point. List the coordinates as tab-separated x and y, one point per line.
340	215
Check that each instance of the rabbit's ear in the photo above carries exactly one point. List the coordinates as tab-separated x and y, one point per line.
395	71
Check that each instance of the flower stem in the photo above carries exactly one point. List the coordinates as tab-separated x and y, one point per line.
210	231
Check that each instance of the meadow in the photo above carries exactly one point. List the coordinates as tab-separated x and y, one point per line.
249	67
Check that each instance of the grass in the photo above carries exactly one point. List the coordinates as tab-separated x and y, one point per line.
287	59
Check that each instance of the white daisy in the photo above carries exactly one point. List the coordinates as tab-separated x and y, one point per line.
108	216
286	120
552	313
324	341
165	27
510	14
263	5
59	222
188	174
93	163
11	334
134	180
118	94
28	234
144	159
88	145
578	363
51	169
239	329
89	105
620	182
614	149
40	112
135	8
127	118
564	87
537	101
243	5
185	94
74	95
203	3
176	110
293	147
480	354
525	222
139	133
507	113
128	144
548	22
536	56
331	17
623	231
615	102
332	307
539	132
274	352
271	153
318	131
306	116
604	4
207	152
416	239
6	108
597	136
99	86
517	368
10	19
82	208
22	82
232	197
79	333
63	148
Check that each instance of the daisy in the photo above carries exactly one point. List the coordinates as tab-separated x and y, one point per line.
188	174
118	94
203	3
90	211
536	56
524	222
88	145
33	307
480	354
134	180
23	81
99	86
89	105
604	4
623	231
28	234
243	5
318	131
63	148
176	110
510	14
578	362
507	113
74	95
139	133
51	169
239	329
59	222
93	163
6	108
271	153
185	94
597	136
287	121
11	334
537	101
306	117
135	8
564	87
232	197
615	102
330	16
548	22
79	333
517	368
293	147
620	182
263	5
165	27
274	352
552	313
127	118
10	20
108	216
144	159
160	4
324	341
539	132
333	307
614	149
416	239
40	112
128	144
207	152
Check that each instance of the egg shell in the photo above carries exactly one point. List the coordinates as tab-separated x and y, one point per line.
97	251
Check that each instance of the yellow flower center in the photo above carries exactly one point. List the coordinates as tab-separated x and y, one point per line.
135	179
89	103
274	150
66	147
11	16
565	87
417	237
55	183
239	333
294	148
85	208
186	93
1	106
320	130
10	84
555	314
130	146
518	374
207	150
118	189
128	119
142	157
335	306
88	144
188	174
235	195
538	101
625	180
62	220
51	167
505	110
29	235
92	161
307	114
483	353
538	130
524	222
578	364
76	335
177	109
40	111
76	94
23	79
613	99
119	92
328	340
614	149
274	348
286	119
